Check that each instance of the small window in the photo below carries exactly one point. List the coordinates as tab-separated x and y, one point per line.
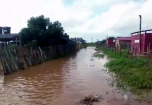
136	41
5	30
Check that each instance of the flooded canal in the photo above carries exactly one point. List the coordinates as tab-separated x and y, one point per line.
61	82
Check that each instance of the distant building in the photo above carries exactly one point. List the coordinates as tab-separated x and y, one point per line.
146	41
6	37
123	42
110	41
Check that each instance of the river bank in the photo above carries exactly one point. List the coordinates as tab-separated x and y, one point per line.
14	58
132	74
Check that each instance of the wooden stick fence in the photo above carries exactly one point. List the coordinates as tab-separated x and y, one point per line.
20	58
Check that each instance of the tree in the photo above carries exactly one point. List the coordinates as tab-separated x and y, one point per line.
43	31
101	43
39	22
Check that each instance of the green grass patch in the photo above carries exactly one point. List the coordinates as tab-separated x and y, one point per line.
97	54
114	54
132	73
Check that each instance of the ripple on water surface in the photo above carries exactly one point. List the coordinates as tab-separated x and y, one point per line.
60	82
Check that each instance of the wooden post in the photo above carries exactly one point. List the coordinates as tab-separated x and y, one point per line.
132	52
147	52
149	49
120	51
12	60
140	34
4	67
135	52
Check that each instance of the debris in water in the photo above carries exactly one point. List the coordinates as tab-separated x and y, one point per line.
125	97
89	100
91	59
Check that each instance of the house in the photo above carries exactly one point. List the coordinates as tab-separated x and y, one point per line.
146	41
6	37
101	43
123	42
9	39
110	41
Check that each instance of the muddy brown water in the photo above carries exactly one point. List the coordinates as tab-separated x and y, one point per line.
61	82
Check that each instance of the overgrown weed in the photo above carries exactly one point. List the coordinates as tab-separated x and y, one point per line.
132	73
98	54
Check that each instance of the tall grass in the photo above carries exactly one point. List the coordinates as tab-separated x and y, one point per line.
132	73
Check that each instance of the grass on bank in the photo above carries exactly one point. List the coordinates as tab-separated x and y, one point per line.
132	73
98	53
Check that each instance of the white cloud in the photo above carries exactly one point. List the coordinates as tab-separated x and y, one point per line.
129	21
121	19
114	17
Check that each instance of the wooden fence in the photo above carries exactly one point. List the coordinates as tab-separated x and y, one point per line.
116	49
20	58
130	52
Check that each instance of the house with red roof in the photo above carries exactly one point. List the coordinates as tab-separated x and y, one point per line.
123	42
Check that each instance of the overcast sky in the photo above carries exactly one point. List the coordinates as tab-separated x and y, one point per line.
81	18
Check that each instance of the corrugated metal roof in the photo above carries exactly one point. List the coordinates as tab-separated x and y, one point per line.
5	36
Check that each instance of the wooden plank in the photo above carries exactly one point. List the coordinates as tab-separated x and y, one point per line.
141	31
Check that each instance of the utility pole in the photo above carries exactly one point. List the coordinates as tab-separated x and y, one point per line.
107	40
140	33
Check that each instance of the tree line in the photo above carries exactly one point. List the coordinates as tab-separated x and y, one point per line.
42	32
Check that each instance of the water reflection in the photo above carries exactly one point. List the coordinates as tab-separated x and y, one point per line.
73	55
43	82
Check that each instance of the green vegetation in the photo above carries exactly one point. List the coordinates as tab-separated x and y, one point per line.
11	47
32	44
132	74
91	44
98	54
45	33
114	54
101	43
